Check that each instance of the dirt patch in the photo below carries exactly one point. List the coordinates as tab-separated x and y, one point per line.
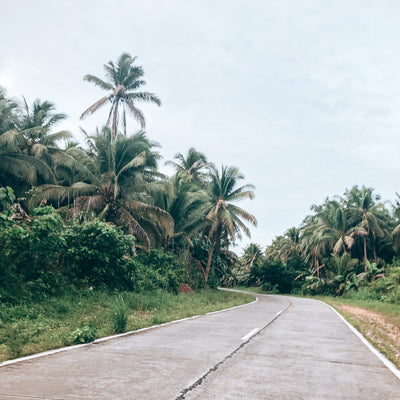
383	332
185	288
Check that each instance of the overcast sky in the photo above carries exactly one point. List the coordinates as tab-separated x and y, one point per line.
302	96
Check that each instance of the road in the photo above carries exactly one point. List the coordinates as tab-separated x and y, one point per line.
275	348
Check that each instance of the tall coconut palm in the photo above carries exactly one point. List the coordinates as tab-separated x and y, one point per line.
370	214
225	219
124	78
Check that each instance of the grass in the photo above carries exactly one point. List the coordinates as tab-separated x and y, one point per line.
33	327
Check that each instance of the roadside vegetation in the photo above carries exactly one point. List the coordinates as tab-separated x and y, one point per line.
93	229
34	326
347	247
94	239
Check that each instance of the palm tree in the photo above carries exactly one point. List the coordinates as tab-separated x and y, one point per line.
334	225
19	170
9	113
370	215
285	247
252	256
38	123
123	81
186	203
194	166
225	219
115	178
342	270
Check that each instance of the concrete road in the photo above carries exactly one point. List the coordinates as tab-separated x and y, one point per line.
276	348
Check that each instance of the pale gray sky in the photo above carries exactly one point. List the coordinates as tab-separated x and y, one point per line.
302	96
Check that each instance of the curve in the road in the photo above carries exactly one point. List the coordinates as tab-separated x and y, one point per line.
246	339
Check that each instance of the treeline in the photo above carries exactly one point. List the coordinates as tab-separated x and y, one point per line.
349	244
101	213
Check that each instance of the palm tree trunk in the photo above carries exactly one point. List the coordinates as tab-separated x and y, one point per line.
374	242
207	271
365	254
114	122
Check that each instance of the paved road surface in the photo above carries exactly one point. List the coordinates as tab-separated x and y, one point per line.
299	350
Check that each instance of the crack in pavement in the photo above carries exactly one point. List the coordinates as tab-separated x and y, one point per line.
216	366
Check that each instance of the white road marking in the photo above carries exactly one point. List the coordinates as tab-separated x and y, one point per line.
381	357
250	334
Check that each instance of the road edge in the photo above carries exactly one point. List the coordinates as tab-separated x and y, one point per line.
107	338
366	342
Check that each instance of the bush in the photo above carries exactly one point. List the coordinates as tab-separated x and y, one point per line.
30	254
156	270
274	276
84	334
97	254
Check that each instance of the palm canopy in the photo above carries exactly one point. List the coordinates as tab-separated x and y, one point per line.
124	80
333	227
37	123
18	169
370	215
223	215
41	114
284	247
115	178
186	203
9	113
252	256
194	166
27	143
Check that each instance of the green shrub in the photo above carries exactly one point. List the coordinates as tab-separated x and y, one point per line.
157	270
30	254
96	255
274	276
7	198
84	334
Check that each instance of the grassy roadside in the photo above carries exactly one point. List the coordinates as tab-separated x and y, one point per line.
378	322
33	327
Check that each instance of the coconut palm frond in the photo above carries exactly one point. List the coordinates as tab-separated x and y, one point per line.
125	218
138	114
98	82
95	106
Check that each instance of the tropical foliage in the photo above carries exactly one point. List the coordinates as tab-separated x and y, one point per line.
124	78
100	213
347	243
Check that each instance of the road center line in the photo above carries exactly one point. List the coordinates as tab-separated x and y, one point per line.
216	366
250	334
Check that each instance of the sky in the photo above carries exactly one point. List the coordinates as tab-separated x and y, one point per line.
302	96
